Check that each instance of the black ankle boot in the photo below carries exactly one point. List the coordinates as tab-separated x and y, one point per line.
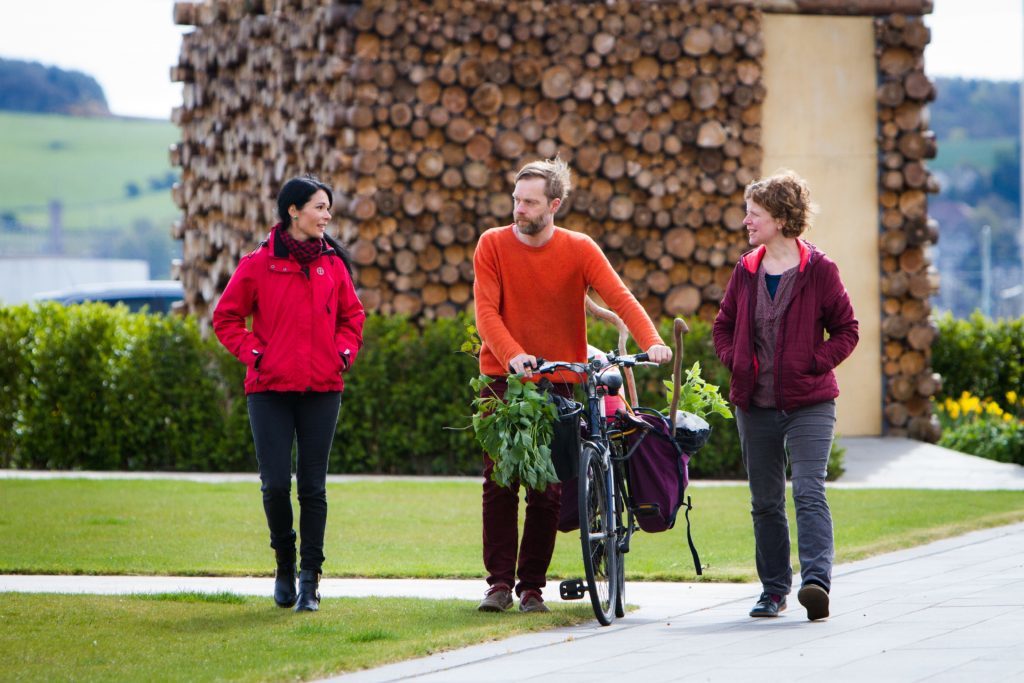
309	595
284	580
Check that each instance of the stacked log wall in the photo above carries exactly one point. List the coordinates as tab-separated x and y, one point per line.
419	114
908	278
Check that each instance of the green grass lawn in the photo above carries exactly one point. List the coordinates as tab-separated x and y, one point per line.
85	163
979	153
190	637
376	529
417	529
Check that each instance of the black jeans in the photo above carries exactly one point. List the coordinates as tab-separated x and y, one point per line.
278	420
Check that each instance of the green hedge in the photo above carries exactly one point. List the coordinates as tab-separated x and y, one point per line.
980	356
980	407
100	388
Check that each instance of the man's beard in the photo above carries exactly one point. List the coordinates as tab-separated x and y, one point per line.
528	227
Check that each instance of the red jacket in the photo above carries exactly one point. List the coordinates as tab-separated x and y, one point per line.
305	322
804	359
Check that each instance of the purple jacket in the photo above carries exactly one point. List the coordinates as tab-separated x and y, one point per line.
804	359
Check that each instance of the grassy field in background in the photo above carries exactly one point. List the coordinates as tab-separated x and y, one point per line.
190	637
86	163
418	529
979	153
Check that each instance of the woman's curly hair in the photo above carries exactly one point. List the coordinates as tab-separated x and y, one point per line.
786	197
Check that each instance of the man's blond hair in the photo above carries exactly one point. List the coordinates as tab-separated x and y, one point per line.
556	175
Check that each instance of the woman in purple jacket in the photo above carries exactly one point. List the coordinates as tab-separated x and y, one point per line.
782	298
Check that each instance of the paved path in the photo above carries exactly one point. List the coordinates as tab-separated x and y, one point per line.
948	611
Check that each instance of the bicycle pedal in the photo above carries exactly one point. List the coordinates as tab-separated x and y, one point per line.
573	589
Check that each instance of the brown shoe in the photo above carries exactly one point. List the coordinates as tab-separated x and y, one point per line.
498	598
530	601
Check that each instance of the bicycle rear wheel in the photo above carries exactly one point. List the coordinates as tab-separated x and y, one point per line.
598	533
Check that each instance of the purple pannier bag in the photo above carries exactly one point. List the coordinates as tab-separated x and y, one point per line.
657	472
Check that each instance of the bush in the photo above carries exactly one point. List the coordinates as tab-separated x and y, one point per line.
95	387
103	388
407	391
980	356
982	427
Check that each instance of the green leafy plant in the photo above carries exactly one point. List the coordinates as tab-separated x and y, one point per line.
698	396
516	431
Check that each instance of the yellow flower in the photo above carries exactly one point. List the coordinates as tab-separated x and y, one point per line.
994	409
953	410
1011	397
970	404
1007	417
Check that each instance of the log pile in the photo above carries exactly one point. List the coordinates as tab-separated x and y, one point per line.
908	278
419	113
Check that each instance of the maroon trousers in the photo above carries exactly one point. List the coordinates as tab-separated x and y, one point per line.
505	558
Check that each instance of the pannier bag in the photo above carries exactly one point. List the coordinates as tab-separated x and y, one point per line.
565	439
658	475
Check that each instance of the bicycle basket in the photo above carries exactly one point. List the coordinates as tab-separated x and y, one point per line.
692	432
566	436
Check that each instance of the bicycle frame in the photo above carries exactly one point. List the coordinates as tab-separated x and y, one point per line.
603	547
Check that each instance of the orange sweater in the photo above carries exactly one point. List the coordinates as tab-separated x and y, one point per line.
532	299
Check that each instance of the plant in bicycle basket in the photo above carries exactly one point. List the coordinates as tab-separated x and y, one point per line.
697	399
516	432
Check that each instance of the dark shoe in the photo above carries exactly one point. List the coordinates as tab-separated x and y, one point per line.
531	601
284	579
769	605
815	599
309	595
498	598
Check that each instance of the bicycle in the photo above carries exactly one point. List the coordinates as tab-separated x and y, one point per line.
607	523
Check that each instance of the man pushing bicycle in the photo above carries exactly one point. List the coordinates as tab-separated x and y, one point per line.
532	279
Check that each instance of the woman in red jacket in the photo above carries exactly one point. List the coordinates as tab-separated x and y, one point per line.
307	328
770	332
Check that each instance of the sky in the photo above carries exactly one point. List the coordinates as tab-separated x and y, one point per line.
129	46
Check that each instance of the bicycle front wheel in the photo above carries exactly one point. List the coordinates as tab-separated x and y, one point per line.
597	532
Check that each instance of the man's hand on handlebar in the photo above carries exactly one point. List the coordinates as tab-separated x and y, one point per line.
659	353
524	364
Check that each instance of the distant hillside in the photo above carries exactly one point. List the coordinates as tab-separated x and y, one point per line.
977	126
967	108
32	87
110	179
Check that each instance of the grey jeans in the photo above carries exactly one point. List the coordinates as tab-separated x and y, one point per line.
768	437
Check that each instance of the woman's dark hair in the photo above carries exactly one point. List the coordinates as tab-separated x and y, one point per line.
297	192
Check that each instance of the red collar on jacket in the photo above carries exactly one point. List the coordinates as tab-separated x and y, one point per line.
752	259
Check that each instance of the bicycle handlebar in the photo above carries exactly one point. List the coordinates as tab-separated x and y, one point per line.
546	367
